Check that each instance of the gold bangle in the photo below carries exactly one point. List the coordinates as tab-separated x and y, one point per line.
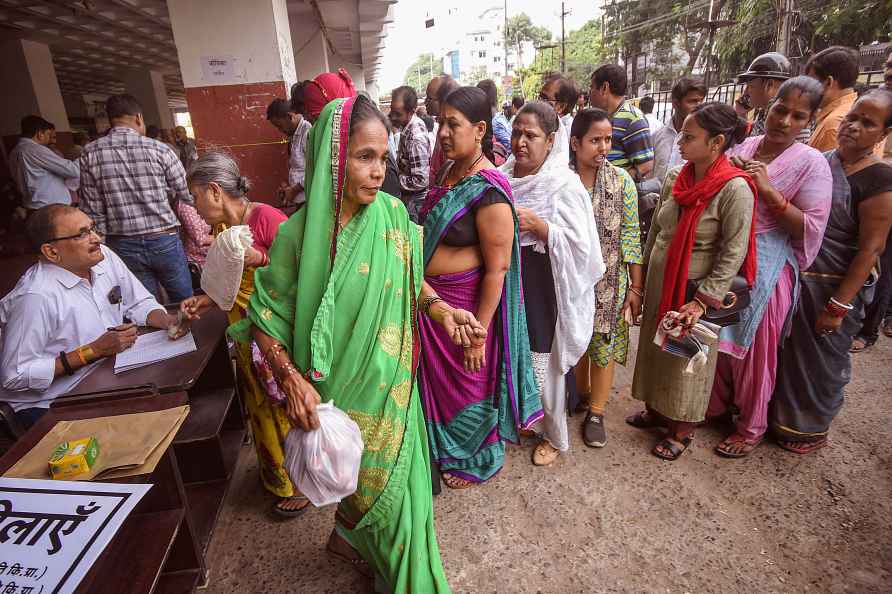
701	304
87	354
80	356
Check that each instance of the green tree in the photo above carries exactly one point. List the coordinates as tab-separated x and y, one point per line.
585	51
425	67
818	24
519	31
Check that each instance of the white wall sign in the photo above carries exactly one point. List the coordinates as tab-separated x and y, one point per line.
51	532
218	69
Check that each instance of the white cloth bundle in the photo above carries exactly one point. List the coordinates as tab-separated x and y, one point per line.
221	275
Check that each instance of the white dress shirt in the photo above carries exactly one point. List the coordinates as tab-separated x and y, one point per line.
52	310
41	175
297	160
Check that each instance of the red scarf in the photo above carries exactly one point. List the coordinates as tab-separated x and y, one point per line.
693	198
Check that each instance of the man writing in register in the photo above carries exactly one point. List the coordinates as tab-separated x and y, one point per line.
67	311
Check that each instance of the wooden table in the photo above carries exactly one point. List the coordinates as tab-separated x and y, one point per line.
203	456
156	549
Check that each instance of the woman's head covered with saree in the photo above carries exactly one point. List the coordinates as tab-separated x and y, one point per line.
326	87
339	294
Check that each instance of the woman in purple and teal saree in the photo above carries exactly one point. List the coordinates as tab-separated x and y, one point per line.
334	318
475	398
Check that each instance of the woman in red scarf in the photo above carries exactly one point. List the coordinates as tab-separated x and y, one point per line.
703	231
326	87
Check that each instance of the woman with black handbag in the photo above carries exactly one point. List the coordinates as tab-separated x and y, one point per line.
702	231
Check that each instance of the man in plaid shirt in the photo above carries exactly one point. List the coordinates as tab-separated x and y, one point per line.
413	156
129	185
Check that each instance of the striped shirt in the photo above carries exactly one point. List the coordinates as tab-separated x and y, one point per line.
129	182
631	137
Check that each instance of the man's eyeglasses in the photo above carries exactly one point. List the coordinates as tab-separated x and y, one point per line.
80	236
551	101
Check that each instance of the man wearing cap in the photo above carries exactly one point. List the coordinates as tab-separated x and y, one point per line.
763	80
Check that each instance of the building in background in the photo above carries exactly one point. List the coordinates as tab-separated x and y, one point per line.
470	42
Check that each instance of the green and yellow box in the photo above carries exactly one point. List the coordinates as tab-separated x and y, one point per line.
71	459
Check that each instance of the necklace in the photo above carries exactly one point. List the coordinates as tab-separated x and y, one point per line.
766	157
848	167
468	171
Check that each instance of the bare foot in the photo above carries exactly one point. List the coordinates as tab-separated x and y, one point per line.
455	482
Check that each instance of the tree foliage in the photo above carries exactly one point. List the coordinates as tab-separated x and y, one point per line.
425	67
520	30
585	51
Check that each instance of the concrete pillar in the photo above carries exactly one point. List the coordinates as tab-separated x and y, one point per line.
310	49
148	88
236	56
358	75
28	80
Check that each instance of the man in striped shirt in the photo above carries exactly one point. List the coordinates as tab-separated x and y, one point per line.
632	147
129	186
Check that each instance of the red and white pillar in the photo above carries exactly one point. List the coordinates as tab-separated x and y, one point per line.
236	57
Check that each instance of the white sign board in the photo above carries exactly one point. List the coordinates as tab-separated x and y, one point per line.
218	69
51	532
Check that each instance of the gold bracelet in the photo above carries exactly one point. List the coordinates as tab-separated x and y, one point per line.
701	304
87	354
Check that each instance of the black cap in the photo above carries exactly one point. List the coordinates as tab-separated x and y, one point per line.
770	65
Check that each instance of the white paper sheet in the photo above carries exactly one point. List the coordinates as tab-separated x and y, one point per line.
52	532
152	348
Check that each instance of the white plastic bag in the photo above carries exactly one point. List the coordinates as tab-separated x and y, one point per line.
221	275
324	464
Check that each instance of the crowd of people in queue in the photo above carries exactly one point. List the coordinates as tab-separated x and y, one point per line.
456	276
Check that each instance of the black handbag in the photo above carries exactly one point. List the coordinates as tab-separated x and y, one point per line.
736	300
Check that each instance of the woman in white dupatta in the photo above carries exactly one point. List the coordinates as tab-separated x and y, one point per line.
561	262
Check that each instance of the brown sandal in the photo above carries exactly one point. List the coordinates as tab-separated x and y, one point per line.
545	454
801	446
672	448
645	420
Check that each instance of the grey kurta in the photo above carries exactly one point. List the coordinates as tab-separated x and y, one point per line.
720	246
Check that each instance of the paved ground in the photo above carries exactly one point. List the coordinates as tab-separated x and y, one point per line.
620	520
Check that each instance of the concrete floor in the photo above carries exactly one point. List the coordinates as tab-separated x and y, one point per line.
621	520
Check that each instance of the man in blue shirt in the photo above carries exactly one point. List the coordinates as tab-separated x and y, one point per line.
500	128
39	173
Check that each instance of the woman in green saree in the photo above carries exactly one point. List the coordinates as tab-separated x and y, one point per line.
334	316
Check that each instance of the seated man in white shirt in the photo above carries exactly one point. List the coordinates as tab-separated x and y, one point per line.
67	311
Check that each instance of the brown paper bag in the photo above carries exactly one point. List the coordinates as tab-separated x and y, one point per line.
129	445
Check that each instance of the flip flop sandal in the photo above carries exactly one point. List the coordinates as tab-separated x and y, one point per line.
451	481
722	449
674	450
291	513
886	327
543	456
807	448
644	420
859	345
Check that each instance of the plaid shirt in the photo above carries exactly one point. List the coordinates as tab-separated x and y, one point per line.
413	162
129	182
